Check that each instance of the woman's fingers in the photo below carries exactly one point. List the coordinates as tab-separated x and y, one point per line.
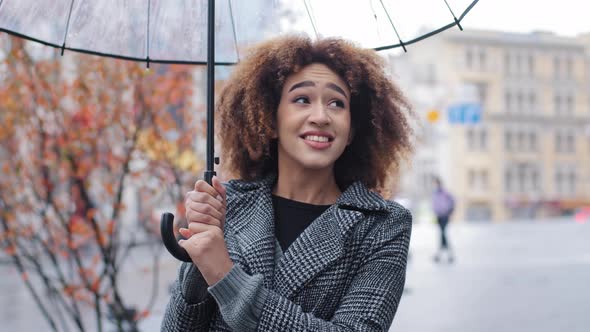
185	232
206	204
202	186
196	217
205	198
222	192
196	228
205	209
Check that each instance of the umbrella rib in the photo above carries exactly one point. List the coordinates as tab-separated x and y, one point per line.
376	19
63	46
147	39
311	20
439	30
403	45
454	17
164	61
233	25
467	10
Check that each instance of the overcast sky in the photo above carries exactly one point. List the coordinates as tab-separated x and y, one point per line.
564	17
365	20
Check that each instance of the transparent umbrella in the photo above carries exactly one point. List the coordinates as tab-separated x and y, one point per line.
216	32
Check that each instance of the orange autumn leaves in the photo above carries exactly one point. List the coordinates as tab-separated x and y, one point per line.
79	135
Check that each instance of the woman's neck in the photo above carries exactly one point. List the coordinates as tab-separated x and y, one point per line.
313	187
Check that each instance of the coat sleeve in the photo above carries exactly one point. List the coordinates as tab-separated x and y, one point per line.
191	307
372	299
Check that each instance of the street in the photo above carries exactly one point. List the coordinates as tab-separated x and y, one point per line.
518	276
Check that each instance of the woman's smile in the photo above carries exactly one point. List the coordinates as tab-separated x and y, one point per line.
318	140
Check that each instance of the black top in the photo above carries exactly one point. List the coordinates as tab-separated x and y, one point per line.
292	218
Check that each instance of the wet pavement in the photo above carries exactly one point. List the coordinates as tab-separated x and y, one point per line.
518	276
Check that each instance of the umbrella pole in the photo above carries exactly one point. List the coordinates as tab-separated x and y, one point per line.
210	172
167	220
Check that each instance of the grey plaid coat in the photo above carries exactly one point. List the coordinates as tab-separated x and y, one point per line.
345	272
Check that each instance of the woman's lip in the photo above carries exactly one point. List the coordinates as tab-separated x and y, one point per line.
318	145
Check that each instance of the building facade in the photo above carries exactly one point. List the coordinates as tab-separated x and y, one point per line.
520	146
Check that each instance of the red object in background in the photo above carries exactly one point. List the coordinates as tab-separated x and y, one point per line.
582	215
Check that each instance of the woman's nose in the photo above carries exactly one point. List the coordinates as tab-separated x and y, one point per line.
319	115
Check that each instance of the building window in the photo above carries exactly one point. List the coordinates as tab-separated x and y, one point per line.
532	102
531	62
564	103
557	104
533	142
556	67
569	105
478	180
565	142
508	180
565	180
507	63
570	143
569	67
521	140
469	58
508	137
477	139
519	102
475	58
522	178
482	59
481	91
508	101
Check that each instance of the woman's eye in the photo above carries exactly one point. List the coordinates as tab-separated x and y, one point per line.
301	100
336	103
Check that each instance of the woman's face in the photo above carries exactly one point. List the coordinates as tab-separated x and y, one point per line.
313	119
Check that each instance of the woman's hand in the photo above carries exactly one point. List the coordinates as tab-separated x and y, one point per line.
206	204
205	214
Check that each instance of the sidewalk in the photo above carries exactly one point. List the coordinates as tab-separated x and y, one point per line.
507	277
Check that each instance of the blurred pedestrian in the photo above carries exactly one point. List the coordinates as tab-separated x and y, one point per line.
443	205
301	240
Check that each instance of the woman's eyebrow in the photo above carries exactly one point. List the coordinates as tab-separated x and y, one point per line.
301	85
310	83
336	88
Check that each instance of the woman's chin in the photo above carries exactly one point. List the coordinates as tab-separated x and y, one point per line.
318	165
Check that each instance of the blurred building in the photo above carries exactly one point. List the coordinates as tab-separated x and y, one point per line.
504	121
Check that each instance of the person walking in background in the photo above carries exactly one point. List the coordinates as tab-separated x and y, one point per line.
443	205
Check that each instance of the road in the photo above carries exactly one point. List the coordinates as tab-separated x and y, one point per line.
520	276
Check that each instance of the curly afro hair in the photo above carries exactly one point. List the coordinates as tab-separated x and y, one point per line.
248	104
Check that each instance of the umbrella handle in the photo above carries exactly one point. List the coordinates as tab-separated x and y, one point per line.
170	242
167	226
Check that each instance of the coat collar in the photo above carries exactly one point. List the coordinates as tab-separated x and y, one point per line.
356	197
322	243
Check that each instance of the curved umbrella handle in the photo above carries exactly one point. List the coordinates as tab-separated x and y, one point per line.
167	232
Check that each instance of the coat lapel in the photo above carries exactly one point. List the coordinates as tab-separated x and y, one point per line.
324	241
255	231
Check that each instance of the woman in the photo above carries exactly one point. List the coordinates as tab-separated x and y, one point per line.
303	241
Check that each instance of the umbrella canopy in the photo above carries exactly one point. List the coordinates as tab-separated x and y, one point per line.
187	32
176	31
